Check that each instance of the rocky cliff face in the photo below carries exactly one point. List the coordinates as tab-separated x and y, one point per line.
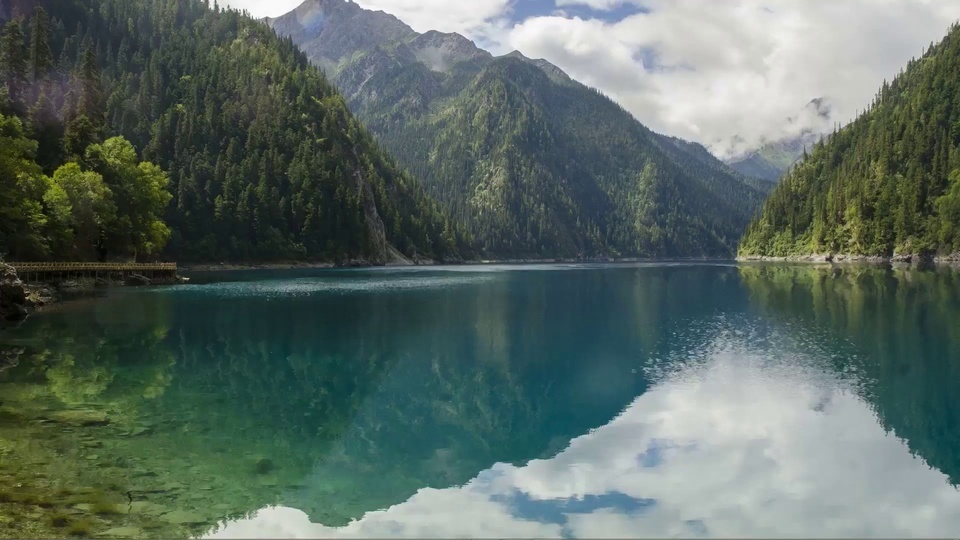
13	297
330	31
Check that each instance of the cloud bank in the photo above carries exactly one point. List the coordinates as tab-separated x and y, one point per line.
729	74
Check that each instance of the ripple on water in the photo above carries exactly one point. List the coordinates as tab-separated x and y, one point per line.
313	286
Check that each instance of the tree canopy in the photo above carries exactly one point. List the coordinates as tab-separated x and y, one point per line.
262	158
888	183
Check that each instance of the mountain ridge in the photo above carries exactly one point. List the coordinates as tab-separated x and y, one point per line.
531	161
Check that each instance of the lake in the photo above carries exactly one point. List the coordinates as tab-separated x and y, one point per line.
640	400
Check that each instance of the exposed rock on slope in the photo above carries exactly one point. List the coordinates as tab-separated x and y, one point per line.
534	163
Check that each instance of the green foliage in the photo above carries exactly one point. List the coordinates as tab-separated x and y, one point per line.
22	185
13	65
140	194
114	209
84	205
545	167
264	160
885	184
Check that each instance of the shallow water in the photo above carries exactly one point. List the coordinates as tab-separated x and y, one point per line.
515	401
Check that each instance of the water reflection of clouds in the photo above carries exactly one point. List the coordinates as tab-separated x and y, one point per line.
726	449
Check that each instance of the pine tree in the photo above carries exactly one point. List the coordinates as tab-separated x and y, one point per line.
41	57
13	67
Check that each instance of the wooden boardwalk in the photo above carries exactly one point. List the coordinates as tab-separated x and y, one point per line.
41	271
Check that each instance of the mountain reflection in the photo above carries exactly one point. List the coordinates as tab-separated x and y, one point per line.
644	400
904	325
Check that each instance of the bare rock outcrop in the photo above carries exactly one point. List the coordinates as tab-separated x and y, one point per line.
13	297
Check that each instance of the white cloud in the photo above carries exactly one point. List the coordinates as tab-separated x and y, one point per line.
472	18
745	444
740	68
261	8
724	73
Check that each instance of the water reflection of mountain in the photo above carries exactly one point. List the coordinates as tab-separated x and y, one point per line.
342	396
905	322
384	394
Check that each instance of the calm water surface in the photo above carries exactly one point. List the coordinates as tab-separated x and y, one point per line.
547	401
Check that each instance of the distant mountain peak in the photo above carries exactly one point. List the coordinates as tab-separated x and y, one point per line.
439	51
330	30
484	133
552	71
774	156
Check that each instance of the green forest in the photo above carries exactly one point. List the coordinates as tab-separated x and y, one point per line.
536	164
175	129
887	184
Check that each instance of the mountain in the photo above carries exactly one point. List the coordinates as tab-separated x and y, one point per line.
773	159
534	163
885	185
264	160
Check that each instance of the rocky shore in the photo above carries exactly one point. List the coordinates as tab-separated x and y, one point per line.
901	258
13	296
18	299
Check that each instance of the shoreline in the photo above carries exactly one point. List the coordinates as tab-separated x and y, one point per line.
842	258
19	299
232	267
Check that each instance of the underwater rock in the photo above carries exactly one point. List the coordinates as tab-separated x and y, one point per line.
263	466
10	358
140	430
183	517
146	508
39	295
123	532
80	417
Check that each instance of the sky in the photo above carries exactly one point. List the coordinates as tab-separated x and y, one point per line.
730	74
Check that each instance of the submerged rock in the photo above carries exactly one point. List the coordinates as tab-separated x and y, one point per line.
81	417
123	532
145	508
263	466
183	517
10	358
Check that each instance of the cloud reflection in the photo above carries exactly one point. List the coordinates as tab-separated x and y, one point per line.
738	446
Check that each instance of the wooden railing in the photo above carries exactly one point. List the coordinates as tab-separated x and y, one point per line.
92	267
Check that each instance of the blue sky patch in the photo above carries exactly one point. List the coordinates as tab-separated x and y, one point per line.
524	9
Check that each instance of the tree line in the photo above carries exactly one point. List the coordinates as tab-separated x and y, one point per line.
263	159
888	183
65	191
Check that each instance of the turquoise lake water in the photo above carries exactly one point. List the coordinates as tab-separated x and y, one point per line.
645	400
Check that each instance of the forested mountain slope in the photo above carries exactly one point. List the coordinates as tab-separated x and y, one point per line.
264	159
885	185
534	163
